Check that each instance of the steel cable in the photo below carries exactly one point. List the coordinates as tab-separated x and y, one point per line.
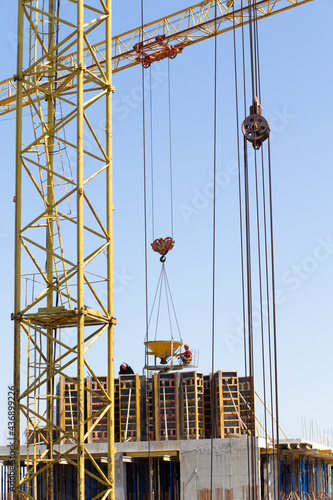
146	256
213	392
170	150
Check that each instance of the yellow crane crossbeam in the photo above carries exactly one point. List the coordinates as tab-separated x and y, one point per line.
187	26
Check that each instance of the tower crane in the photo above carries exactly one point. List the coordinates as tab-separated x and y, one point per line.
63	233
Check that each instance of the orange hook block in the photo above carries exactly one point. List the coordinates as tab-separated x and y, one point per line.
163	245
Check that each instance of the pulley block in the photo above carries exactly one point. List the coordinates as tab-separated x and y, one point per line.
163	246
255	127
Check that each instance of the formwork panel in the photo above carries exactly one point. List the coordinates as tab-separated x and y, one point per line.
208	404
247	404
192	405
68	407
116	411
95	402
150	405
129	407
167	404
217	407
230	401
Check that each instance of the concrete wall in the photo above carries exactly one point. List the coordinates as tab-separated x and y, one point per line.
230	467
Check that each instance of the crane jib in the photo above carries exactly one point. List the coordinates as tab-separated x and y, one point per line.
186	27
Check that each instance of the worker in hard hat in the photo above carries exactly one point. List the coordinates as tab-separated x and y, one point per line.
186	356
125	369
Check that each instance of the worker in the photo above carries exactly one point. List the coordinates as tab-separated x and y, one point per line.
125	369
186	356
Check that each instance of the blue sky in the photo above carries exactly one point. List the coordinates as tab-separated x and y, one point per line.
296	80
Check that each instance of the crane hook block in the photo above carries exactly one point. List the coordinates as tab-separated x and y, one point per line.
255	127
163	245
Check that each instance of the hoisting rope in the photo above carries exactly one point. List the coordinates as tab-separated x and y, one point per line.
144	179
150	487
273	303
265	267
213	391
258	92
254	81
163	280
241	223
268	322
170	150
170	153
151	154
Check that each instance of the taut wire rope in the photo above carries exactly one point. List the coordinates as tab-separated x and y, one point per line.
241	223
243	251
168	305
159	303
213	391
271	323
249	318
273	302
269	335
261	291
170	149
173	307
151	154
265	269
145	256
155	296
163	280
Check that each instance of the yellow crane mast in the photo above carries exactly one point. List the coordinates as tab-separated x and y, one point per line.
64	212
63	238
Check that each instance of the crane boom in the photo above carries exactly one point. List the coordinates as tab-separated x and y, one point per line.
187	26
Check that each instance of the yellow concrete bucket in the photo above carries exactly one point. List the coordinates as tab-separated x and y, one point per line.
163	348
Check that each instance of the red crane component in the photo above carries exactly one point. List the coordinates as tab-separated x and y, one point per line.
163	245
159	50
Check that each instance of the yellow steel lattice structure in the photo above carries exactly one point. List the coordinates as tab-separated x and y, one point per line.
188	26
63	237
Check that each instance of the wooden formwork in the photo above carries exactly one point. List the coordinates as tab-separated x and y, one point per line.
67	412
168	406
192	395
116	411
217	406
148	403
247	405
227	407
129	408
96	402
230	401
166	395
208	402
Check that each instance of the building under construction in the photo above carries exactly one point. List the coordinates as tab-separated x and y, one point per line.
177	436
